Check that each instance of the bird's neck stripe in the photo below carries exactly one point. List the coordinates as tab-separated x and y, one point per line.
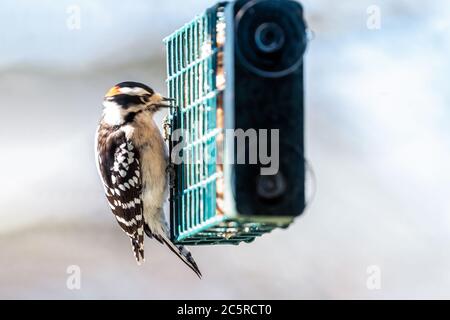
130	117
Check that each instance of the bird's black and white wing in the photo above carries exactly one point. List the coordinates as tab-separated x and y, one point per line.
118	163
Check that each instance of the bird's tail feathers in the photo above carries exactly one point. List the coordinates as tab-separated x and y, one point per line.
182	252
138	249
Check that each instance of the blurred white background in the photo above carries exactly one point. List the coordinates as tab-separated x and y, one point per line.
377	120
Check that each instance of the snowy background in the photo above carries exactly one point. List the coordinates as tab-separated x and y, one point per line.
378	136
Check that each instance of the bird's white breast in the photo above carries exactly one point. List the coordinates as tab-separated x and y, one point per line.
153	159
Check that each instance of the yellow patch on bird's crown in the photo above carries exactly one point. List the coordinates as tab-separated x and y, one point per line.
113	91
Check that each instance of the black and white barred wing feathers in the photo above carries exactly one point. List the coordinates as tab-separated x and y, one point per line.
121	174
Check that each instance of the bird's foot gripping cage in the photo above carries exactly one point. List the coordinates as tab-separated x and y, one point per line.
219	84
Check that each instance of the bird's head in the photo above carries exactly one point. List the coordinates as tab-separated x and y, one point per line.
126	99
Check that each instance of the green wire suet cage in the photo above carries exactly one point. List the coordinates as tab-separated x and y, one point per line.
201	79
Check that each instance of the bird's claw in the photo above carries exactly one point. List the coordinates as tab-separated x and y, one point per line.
166	128
170	170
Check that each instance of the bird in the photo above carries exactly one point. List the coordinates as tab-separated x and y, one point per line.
132	161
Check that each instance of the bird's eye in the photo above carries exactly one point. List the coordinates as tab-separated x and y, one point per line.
146	97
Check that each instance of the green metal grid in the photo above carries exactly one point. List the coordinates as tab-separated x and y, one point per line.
191	80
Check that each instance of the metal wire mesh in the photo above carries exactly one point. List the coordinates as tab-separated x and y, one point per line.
191	58
195	80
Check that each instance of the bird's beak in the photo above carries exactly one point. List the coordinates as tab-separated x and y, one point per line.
166	105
